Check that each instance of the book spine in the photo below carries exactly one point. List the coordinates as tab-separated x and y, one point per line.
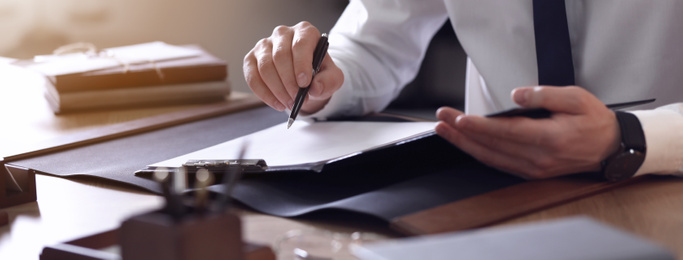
138	78
175	94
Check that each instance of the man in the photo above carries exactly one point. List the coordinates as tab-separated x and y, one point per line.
621	50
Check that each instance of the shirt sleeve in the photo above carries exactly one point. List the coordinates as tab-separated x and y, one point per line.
379	45
663	128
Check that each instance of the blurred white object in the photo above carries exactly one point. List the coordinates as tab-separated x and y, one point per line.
572	238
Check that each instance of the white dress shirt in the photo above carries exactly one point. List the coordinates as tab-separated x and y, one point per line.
622	51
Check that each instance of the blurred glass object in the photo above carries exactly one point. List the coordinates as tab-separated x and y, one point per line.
318	245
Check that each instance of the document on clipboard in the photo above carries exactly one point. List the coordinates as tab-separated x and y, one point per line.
306	146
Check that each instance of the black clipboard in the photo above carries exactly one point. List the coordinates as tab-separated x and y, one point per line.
538	113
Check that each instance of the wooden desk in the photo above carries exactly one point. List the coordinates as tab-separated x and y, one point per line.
652	209
69	209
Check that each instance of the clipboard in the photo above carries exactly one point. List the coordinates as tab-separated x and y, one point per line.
539	113
262	140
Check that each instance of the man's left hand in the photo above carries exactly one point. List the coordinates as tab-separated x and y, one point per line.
580	134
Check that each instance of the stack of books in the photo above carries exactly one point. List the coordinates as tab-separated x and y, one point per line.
148	74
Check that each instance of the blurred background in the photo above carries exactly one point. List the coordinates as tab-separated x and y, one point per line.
226	28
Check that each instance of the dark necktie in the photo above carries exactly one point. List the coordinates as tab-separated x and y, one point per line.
553	49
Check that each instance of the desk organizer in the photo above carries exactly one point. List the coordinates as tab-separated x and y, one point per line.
4	218
158	235
17	185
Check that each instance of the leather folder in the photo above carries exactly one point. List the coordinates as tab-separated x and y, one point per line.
17	186
421	186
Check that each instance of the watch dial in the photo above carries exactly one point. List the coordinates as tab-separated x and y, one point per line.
624	165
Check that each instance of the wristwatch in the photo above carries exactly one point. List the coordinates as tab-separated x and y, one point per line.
624	163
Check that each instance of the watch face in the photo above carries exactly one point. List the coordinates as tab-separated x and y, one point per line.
624	165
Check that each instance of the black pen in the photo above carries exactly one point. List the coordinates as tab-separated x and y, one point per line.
318	56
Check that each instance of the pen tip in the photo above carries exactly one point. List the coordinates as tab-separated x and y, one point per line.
289	123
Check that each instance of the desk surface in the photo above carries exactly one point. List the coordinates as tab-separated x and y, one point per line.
69	209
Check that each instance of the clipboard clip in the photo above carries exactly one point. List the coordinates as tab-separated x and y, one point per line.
221	166
217	167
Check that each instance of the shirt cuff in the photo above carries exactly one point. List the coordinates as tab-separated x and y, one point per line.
663	130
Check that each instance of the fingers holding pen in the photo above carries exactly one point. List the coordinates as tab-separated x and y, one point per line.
262	76
256	84
283	58
279	65
304	40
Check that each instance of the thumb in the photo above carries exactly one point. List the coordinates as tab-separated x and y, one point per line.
327	81
570	99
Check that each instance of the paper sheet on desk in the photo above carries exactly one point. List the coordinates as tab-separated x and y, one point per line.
307	142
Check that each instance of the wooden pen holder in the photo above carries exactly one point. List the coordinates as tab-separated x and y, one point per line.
17	185
158	235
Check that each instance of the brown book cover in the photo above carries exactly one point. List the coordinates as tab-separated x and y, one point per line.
204	67
143	96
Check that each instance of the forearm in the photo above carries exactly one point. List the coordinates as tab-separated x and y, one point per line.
379	46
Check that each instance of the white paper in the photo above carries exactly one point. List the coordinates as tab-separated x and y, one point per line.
307	142
116	57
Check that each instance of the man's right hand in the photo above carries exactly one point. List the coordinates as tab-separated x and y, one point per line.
279	65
